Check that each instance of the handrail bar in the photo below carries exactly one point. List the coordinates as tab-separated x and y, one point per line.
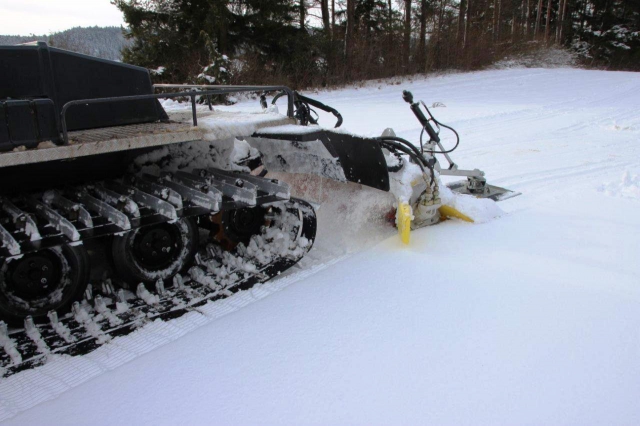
220	90
290	93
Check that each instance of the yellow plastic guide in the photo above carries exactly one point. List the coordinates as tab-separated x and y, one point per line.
449	211
403	222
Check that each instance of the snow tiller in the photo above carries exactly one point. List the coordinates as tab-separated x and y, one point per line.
117	210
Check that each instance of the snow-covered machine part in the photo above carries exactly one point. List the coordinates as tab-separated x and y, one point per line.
114	213
476	183
214	275
388	163
214	125
136	214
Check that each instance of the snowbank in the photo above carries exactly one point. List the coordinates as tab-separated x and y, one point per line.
552	57
628	187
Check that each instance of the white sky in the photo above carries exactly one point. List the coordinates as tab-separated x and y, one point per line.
25	17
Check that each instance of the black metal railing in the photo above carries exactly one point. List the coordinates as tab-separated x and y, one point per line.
192	94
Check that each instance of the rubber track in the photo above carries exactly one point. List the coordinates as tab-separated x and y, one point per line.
173	304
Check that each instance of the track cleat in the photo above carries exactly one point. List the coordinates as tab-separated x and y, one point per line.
53	317
146	296
83	318
160	288
99	304
121	302
34	334
88	293
29	325
9	345
102	309
107	287
60	329
178	282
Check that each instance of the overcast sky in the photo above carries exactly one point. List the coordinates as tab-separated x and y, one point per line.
25	17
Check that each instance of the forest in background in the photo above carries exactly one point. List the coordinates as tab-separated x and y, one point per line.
316	43
311	43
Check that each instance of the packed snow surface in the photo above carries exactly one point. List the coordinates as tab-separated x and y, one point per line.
530	318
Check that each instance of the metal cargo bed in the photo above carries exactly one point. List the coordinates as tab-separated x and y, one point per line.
214	124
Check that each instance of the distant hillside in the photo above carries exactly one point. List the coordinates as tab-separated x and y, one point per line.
103	42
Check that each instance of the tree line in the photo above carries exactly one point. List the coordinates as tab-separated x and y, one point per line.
306	43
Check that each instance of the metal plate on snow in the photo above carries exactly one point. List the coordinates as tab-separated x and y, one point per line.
492	192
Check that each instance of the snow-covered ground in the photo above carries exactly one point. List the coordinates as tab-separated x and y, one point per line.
533	318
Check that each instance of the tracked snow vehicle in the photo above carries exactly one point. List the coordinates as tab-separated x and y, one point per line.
116	211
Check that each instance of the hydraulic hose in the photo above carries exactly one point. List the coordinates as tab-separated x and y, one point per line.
306	101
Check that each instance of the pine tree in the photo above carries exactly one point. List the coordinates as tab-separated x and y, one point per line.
174	34
167	33
609	32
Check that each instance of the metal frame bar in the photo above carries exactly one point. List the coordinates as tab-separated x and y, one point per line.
71	208
8	242
106	210
270	186
21	220
142	198
210	200
64	226
245	195
151	186
215	90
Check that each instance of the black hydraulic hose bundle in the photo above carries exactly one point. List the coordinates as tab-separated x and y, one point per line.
304	104
426	126
439	124
410	148
308	101
396	145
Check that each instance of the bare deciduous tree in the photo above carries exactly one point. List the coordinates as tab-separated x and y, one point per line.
406	44
538	17
467	25
422	42
461	25
562	9
349	36
324	7
527	21
548	22
333	17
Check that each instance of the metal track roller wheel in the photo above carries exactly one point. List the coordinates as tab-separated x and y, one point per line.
45	280
155	252
232	227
